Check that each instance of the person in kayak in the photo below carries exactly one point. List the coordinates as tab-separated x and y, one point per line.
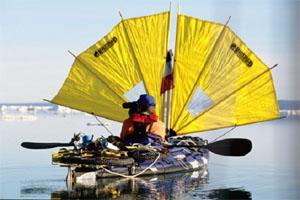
143	125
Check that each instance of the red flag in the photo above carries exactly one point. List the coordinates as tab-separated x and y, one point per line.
168	79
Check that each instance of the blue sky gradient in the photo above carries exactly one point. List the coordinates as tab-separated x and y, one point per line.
36	35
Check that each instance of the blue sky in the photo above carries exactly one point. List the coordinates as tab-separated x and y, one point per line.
36	35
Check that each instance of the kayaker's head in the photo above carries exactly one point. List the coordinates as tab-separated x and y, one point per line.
146	103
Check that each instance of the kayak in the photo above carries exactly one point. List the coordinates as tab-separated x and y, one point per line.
139	160
110	158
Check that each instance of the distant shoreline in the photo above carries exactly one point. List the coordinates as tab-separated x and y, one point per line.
288	108
283	104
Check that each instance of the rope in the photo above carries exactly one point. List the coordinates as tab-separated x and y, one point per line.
224	133
133	176
186	142
102	124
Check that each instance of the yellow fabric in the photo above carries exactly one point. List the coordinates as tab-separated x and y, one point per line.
219	81
133	52
209	57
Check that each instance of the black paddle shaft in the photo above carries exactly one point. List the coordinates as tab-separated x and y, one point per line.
37	145
226	147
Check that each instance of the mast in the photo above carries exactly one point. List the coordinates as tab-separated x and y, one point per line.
169	91
168	109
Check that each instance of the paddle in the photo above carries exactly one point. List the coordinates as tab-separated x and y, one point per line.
37	145
226	147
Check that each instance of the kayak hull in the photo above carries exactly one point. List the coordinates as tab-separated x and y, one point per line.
87	165
180	160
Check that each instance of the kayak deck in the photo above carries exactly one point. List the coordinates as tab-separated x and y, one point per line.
177	159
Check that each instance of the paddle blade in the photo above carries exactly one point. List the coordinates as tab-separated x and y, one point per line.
36	145
231	147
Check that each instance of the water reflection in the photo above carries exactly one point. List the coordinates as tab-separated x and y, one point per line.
228	193
152	187
169	186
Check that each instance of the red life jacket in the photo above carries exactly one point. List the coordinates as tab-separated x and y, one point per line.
144	120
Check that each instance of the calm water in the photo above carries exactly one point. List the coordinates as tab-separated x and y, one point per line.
270	171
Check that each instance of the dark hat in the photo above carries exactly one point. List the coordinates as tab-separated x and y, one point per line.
146	100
